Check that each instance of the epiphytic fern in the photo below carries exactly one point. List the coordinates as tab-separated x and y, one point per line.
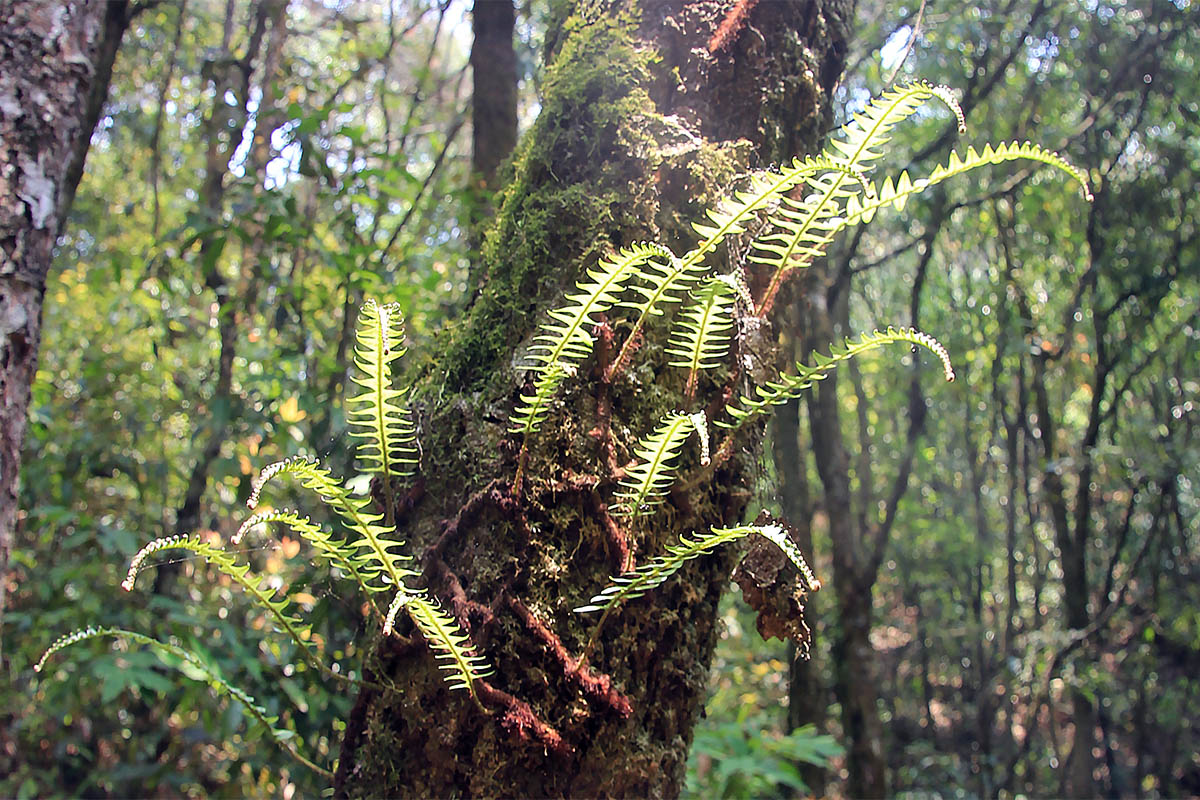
205	673
655	572
649	479
789	386
701	335
452	647
387	447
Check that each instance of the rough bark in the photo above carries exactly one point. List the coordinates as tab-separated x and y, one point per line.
641	125
47	57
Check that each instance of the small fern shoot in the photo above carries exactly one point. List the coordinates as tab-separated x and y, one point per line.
282	736
375	415
701	335
647	481
451	646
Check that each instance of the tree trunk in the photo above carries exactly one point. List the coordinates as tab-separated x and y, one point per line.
644	120
48	53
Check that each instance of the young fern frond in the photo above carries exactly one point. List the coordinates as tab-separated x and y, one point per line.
282	736
376	543
700	338
336	552
790	386
452	648
259	589
654	573
534	407
896	193
802	229
388	436
647	482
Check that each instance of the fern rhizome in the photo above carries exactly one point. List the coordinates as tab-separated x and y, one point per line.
798	210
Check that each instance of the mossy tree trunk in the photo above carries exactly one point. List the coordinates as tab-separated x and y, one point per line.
646	117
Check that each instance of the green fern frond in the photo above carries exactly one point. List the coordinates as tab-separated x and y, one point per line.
336	552
259	589
790	386
802	229
533	407
779	537
700	338
388	436
647	482
282	736
452	647
896	193
378	544
729	218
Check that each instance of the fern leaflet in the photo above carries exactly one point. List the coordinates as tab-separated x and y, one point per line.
534	407
388	447
701	335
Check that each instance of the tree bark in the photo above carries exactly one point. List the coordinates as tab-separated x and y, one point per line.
645	117
48	53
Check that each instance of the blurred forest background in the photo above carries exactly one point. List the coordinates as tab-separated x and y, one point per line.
1010	604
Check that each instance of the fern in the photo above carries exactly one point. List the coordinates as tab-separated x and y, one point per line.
282	736
802	229
701	335
452	647
790	386
388	446
650	575
647	482
896	193
259	589
333	551
534	407
375	548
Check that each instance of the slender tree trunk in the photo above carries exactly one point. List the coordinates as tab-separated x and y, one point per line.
48	57
642	117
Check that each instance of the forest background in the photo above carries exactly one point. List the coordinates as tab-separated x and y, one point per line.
1023	540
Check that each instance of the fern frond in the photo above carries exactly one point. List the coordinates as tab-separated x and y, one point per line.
336	552
728	219
377	543
778	536
802	229
533	407
647	482
388	436
281	735
452	647
896	193
700	338
260	589
790	386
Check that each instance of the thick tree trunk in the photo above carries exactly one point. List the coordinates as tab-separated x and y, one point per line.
48	52
644	119
494	100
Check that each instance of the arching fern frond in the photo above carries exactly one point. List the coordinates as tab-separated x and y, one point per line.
376	415
345	558
700	338
647	481
790	386
654	573
565	340
452	648
378	544
260	589
534	407
896	193
281	735
803	228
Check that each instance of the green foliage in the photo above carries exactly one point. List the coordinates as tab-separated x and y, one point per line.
388	447
739	760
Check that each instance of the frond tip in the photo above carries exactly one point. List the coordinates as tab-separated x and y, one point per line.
647	482
375	413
